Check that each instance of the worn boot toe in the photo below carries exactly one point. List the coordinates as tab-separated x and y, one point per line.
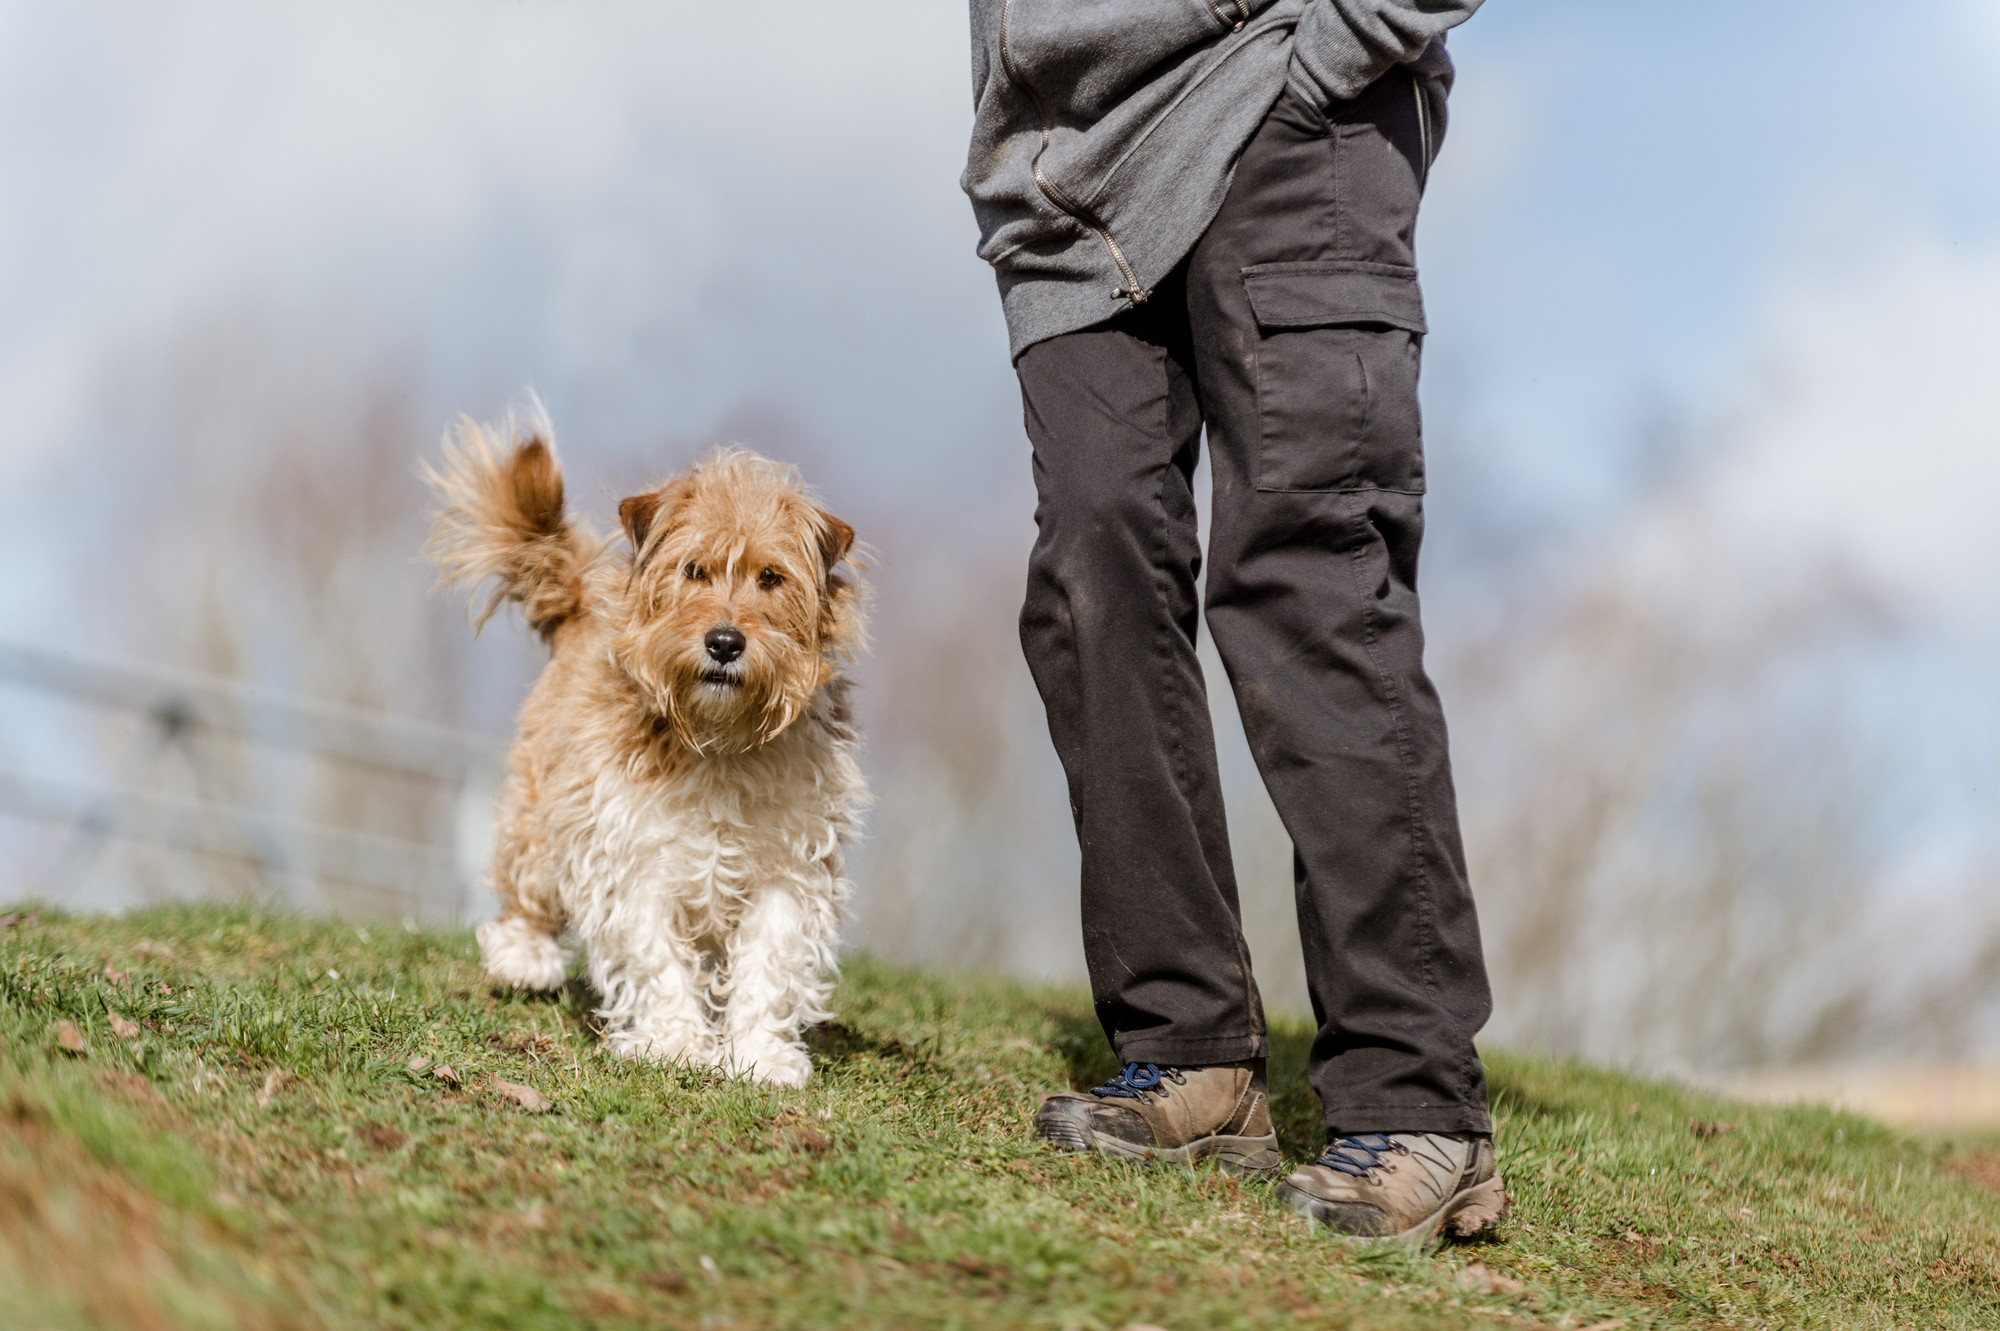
1170	1115
1414	1186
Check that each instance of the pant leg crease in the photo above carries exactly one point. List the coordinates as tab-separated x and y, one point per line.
1413	799
1178	702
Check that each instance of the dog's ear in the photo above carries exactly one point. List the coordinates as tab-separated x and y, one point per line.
637	515
835	540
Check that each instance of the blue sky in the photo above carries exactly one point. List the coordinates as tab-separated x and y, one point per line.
1647	178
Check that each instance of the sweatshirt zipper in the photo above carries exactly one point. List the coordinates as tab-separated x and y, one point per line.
1233	24
1131	291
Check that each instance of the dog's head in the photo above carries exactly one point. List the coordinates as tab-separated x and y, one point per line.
733	615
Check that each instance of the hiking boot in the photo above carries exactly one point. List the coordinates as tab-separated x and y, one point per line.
1410	1186
1178	1115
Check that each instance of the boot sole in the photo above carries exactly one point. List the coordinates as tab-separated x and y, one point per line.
1255	1156
1467	1214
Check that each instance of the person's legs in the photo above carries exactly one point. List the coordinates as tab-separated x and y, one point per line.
1306	324
1108	627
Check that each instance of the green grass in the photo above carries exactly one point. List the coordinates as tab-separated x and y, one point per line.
262	1155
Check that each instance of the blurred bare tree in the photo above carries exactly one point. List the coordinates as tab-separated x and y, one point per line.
1679	827
970	860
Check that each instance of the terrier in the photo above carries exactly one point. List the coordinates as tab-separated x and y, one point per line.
683	783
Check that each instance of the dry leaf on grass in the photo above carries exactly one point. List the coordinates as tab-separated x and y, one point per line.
1702	1127
527	1097
115	976
1609	1324
978	1266
1479	1278
122	1028
444	1072
273	1083
417	1063
70	1038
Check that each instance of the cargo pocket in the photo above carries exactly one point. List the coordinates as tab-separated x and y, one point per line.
1337	352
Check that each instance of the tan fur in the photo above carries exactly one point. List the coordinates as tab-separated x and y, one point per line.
502	519
686	816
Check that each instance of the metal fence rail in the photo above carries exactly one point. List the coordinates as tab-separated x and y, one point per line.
180	706
391	866
178	700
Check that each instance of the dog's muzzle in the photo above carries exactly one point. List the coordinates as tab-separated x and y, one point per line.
724	645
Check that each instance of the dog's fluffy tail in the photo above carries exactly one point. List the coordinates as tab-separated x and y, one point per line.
500	491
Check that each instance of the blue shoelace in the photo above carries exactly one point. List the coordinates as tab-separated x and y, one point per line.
1136	1079
1360	1154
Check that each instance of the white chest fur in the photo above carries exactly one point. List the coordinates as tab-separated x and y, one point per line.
687	853
683	856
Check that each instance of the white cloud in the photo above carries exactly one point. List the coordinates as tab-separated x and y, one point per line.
641	202
1873	429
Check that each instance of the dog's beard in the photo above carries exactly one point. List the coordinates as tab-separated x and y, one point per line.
730	708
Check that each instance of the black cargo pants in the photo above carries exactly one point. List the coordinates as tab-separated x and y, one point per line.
1293	333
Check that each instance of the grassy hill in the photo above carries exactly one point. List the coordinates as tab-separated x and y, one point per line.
247	1136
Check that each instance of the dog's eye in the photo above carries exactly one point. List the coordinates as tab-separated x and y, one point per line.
770	579
693	573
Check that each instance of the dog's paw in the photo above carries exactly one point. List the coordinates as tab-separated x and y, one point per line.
517	953
774	1064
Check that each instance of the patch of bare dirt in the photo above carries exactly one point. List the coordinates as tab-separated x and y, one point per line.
1982	1167
536	1045
381	1136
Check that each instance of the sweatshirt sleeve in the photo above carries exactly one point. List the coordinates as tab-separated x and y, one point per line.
1342	46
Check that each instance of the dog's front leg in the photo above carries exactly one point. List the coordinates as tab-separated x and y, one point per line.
780	969
653	1007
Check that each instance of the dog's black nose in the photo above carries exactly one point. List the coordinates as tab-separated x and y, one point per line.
724	645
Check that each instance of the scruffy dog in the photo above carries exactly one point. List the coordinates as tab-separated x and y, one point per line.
684	781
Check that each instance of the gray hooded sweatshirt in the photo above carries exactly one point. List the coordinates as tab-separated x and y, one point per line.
1105	131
